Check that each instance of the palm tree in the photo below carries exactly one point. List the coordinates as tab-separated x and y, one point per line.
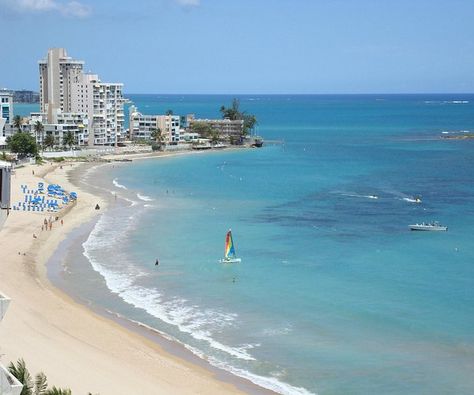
22	375
69	139
157	136
169	112
41	384
17	121
58	391
49	140
39	129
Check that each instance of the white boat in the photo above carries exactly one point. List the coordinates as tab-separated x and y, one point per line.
229	250
432	226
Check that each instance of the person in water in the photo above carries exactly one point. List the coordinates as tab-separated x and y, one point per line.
157	262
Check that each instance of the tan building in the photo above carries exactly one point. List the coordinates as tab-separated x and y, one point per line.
57	72
224	127
65	88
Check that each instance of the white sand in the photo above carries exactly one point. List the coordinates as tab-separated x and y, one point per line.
75	347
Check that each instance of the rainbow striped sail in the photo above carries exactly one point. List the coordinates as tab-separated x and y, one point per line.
229	250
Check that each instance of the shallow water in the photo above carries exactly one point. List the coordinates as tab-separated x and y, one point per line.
334	294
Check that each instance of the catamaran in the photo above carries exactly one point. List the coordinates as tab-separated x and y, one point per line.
229	250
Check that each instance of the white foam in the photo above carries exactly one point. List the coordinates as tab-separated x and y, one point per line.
115	182
201	324
360	196
411	200
120	279
271	383
145	198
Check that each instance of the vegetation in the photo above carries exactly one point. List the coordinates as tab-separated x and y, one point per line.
206	131
6	157
158	139
233	113
58	159
49	141
169	112
38	386
69	139
39	130
23	144
17	122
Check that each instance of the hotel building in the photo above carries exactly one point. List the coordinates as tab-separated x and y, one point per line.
141	126
66	89
224	127
6	111
61	125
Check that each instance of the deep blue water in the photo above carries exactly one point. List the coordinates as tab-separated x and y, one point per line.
334	294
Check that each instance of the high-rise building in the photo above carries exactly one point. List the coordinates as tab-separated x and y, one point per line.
65	88
57	73
6	110
103	104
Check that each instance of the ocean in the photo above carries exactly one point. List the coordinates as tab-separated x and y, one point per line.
334	294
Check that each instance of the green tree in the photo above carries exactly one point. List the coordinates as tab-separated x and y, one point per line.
158	139
17	122
69	139
58	391
23	144
233	113
40	385
22	375
203	128
249	123
169	112
39	131
49	140
214	137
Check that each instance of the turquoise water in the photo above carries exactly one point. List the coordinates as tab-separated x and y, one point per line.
334	294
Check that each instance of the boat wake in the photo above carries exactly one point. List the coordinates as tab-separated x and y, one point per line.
360	196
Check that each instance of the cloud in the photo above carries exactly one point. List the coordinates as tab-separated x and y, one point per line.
67	8
188	3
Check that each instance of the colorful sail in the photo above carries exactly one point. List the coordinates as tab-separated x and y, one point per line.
229	251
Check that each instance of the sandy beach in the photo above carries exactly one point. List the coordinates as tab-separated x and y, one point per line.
75	347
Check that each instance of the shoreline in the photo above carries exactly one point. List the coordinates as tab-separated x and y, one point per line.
43	320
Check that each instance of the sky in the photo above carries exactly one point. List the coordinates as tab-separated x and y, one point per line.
247	46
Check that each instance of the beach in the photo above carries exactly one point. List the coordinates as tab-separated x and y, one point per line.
75	347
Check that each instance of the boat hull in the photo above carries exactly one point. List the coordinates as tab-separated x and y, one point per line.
425	228
230	260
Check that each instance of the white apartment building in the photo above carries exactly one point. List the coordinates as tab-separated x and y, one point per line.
6	111
103	104
62	124
142	125
64	87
